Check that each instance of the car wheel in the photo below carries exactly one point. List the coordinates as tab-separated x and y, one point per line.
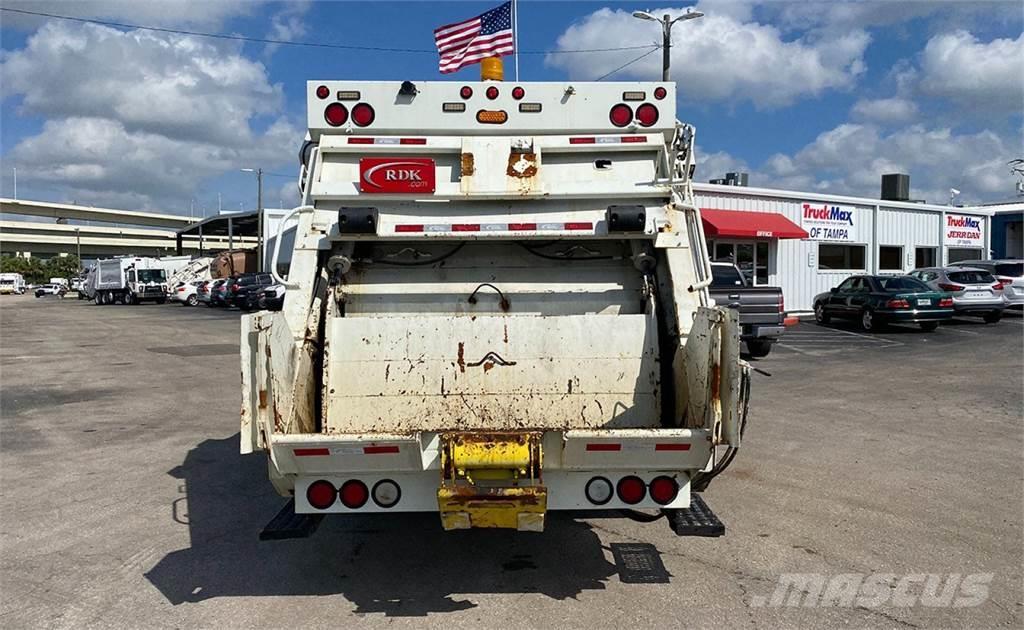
759	347
992	317
867	320
928	326
820	315
128	298
162	300
192	300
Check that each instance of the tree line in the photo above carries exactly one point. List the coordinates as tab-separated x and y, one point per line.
38	271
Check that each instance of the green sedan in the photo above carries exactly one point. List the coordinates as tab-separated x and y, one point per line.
878	300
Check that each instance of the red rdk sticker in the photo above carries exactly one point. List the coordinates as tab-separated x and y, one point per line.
396	175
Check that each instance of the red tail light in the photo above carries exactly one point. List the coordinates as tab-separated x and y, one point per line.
631	490
946	302
647	114
1006	281
181	289
321	494
660	93
466	91
354	494
621	115
997	286
492	92
897	303
363	114
518	93
335	114
664	490
322	92
234	287
950	287
782	303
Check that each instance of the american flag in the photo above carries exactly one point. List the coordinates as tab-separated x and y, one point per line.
486	35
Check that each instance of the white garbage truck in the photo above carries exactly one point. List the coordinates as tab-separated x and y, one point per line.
497	307
129	280
12	283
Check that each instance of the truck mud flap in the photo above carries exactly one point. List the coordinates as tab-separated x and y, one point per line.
696	520
288	524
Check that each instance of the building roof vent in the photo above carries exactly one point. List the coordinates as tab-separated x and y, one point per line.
896	187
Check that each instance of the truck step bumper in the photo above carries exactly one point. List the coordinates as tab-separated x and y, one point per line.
696	520
288	524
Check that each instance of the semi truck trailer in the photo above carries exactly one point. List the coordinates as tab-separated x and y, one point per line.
497	307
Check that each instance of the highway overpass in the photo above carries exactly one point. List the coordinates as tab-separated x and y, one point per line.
30	208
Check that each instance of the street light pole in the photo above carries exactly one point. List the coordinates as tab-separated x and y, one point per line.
78	246
667	22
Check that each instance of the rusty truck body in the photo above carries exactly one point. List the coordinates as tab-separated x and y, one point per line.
497	307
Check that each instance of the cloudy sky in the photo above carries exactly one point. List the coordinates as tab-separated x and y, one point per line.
805	95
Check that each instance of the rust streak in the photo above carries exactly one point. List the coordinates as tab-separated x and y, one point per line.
522	165
488	366
506	332
462	359
467	165
716	377
263	399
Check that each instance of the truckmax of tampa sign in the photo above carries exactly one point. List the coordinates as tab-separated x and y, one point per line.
396	175
827	222
963	231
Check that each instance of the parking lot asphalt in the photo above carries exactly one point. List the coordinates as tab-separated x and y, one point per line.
124	501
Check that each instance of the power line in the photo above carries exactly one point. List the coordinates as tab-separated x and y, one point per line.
281	42
628	63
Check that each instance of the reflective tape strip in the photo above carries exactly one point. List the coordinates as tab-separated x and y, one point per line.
672	446
442	228
308	452
604	447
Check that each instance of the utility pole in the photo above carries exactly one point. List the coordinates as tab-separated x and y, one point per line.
259	215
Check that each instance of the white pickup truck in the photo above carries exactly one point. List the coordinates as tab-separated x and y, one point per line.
497	306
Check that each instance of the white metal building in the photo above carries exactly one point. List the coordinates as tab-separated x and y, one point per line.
807	243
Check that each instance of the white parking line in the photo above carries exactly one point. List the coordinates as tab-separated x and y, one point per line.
962	332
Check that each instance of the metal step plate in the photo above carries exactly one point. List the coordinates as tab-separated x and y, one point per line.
288	524
696	520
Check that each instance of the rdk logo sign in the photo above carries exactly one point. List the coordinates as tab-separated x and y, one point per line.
396	175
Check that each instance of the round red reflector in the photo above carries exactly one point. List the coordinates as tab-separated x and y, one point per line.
518	93
492	92
321	494
354	494
322	92
621	115
335	114
386	493
362	114
664	490
631	490
599	491
660	93
466	91
647	114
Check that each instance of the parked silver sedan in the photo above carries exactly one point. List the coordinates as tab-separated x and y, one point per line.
1009	271
974	291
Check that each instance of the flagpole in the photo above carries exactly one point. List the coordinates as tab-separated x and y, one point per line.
515	33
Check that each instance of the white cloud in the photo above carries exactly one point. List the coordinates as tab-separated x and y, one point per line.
288	24
978	74
141	117
716	58
851	158
161	13
885	110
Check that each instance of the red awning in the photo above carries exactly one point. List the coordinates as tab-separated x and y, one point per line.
744	224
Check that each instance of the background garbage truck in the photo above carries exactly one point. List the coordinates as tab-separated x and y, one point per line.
498	307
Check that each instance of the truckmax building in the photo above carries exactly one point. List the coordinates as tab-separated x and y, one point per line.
808	242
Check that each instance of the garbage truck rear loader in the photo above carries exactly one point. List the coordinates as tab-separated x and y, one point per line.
497	307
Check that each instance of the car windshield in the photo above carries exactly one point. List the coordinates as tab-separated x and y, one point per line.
151	275
901	283
972	277
725	276
1013	270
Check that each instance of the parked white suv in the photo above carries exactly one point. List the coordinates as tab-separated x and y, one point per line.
186	293
1009	271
